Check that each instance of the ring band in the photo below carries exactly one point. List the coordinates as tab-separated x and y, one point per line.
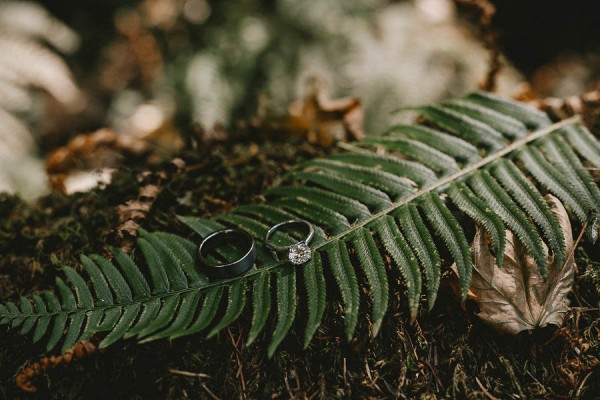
297	253
231	269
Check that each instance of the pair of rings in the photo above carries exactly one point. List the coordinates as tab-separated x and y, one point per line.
297	253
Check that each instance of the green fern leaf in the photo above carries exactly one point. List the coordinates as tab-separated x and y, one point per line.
510	127
470	129
185	315
499	201
370	260
584	143
394	243
353	210
531	117
477	209
414	171
374	198
554	180
208	311
436	160
394	186
421	242
235	305
261	303
130	312
103	293
133	275
448	228
533	203
316	293
451	145
343	272
286	307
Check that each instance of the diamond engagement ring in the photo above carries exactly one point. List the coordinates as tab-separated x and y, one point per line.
297	253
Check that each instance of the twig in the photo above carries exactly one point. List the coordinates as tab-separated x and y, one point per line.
583	381
345	381
240	372
210	393
190	374
575	244
485	391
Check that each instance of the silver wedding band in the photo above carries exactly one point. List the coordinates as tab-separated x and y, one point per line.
227	269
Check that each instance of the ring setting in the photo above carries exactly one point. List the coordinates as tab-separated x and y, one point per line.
297	253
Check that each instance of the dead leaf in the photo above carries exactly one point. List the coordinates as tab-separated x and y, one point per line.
324	120
515	297
134	211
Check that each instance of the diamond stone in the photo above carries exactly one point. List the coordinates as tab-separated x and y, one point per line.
299	253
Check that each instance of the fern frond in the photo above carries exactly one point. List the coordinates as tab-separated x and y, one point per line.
236	300
414	171
554	180
421	242
584	143
532	202
498	200
434	159
394	186
366	206
367	195
470	129
353	210
530	116
369	258
261	304
448	228
510	127
396	246
343	272
477	209
316	294
451	145
286	306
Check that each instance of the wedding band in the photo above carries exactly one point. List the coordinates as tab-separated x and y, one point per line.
297	253
230	269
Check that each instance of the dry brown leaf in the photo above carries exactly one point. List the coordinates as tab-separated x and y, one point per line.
325	121
515	297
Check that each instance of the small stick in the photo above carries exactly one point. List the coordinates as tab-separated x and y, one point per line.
190	374
485	391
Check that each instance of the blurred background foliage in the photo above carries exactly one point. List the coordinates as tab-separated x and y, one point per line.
177	73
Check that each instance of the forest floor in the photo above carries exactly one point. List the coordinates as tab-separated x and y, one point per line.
444	353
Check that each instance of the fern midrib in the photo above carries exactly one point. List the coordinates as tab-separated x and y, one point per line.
439	184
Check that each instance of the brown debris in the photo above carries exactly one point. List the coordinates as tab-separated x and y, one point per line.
133	212
99	149
314	118
25	377
325	121
587	105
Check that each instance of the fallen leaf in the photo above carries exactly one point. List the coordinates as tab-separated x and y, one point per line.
134	211
515	297
325	121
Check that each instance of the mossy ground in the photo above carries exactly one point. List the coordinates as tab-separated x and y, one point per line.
444	353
